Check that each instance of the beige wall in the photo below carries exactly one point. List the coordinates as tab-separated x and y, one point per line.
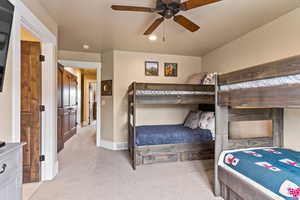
107	101
79	56
129	67
276	40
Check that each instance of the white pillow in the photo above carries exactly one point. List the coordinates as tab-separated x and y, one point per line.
207	121
211	127
209	79
192	119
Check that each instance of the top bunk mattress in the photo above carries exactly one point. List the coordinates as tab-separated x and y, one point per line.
277	81
170	134
275	171
171	92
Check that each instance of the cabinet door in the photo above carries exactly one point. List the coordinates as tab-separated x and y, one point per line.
66	89
60	135
73	91
66	122
73	117
11	189
60	72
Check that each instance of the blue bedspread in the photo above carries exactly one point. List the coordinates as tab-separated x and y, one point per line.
170	134
276	169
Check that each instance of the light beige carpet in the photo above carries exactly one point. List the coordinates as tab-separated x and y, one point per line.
91	173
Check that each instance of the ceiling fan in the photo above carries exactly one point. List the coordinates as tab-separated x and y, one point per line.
169	9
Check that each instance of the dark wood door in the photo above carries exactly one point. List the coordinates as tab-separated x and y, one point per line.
60	137
67	106
30	110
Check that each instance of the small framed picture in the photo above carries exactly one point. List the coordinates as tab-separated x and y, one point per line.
106	88
151	68
171	69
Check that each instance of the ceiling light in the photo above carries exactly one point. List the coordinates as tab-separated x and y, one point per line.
152	37
85	46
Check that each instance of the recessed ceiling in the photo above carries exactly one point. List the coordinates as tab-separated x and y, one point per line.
93	22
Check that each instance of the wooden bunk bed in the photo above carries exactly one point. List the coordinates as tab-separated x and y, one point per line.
257	93
167	94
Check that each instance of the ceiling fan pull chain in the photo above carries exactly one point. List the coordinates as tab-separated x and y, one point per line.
164	32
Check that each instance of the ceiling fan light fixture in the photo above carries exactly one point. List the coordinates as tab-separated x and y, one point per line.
86	46
152	37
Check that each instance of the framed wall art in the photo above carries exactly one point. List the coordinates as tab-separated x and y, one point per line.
171	69
151	68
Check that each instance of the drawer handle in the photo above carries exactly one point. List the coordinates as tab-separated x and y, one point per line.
3	168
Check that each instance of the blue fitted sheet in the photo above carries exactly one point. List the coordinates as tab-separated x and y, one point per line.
170	134
276	169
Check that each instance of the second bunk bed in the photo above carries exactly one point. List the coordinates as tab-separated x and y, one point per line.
167	143
257	168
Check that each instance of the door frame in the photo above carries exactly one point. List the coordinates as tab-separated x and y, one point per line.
23	17
98	67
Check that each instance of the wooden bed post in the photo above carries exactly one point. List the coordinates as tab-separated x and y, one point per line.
277	121
221	139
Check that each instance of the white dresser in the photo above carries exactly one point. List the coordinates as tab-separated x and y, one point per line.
11	172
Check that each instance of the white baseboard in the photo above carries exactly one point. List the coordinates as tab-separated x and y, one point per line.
56	169
113	145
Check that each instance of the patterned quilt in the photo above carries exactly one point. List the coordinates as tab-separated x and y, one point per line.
276	169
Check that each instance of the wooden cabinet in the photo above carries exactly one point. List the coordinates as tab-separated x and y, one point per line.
11	172
67	106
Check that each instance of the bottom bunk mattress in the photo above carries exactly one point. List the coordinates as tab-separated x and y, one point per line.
170	134
275	171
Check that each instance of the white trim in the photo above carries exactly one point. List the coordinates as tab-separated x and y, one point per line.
34	25
16	77
99	99
80	64
98	67
24	17
116	146
49	117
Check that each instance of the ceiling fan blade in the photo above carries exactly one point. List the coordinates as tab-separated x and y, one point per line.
132	8
186	23
154	26
196	3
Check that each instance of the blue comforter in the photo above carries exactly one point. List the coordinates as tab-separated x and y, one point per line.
170	134
276	169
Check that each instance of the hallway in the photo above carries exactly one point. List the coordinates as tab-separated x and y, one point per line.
91	173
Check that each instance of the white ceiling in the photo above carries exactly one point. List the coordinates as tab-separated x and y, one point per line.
93	22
